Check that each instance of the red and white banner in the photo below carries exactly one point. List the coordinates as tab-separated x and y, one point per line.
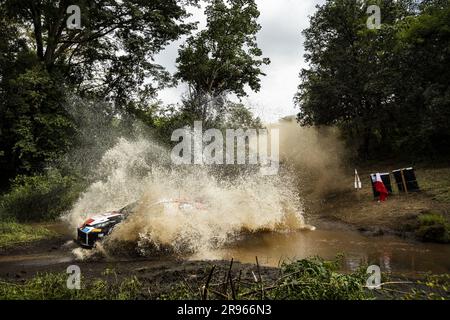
380	187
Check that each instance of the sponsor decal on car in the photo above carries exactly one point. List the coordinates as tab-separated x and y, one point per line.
87	229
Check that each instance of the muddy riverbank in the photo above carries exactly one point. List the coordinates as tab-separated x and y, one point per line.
393	254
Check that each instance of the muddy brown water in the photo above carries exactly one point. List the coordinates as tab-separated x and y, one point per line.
391	253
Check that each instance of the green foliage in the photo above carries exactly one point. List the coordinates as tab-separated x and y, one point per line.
436	182
35	127
306	279
51	286
222	59
42	196
13	233
433	227
240	116
432	287
165	120
178	292
41	61
317	279
138	29
387	89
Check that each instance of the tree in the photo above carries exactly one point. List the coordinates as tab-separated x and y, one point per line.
41	60
111	54
371	82
222	59
35	127
424	88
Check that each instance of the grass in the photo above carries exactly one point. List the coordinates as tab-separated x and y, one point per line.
436	182
433	227
13	233
53	286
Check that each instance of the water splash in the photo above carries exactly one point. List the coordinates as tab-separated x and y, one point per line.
140	170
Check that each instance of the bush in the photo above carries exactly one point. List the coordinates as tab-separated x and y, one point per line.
433	227
39	197
317	279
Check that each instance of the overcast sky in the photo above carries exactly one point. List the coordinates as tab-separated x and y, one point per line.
280	40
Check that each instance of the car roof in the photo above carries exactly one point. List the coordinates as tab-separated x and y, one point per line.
104	217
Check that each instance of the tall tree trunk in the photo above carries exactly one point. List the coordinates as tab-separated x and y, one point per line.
37	24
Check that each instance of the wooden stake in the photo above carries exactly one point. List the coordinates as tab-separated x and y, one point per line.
404	181
233	293
205	289
238	284
225	286
260	279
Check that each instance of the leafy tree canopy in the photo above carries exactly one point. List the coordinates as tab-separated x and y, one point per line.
109	58
111	54
387	88
224	58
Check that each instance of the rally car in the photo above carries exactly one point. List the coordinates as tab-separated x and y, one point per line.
97	227
100	226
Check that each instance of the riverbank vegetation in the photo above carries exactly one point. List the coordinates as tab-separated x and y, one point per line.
313	279
433	227
306	279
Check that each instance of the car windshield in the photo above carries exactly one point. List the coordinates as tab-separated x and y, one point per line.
101	224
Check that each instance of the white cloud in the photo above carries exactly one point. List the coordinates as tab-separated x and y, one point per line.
280	39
